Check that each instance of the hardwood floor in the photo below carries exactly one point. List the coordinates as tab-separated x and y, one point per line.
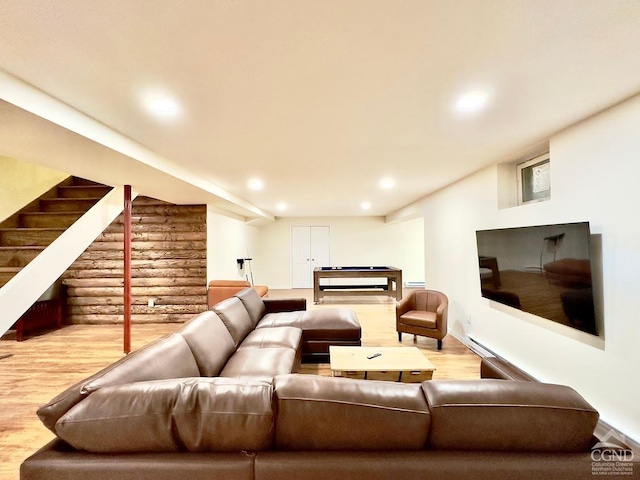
41	367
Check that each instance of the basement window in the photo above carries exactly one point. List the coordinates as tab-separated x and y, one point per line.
534	180
525	180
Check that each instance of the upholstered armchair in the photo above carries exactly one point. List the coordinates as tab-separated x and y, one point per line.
423	312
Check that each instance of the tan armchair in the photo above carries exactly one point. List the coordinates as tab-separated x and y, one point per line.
423	312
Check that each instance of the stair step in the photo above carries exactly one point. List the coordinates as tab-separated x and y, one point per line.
18	237
83	191
67	204
18	256
26	233
49	219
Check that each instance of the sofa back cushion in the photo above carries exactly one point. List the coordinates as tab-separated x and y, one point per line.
235	317
168	357
196	414
210	342
326	413
508	416
253	303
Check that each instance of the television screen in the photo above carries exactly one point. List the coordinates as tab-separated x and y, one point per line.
544	270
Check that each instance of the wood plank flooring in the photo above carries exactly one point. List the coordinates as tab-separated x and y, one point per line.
41	367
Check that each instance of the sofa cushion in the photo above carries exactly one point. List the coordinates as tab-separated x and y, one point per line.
287	337
326	413
331	323
260	364
253	304
235	318
281	319
210	342
508	416
132	417
223	414
168	357
196	414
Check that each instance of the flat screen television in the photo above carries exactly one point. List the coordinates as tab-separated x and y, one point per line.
544	270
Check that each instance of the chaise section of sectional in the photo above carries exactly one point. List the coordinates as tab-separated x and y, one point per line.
321	327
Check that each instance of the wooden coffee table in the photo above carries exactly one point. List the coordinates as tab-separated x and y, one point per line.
401	364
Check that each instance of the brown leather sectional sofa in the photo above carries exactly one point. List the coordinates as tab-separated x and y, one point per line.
194	406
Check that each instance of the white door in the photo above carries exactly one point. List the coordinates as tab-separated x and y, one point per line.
309	249
319	248
300	257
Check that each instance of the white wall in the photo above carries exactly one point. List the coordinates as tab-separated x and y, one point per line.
354	241
227	240
595	170
23	182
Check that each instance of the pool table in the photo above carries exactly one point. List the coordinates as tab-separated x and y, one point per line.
391	287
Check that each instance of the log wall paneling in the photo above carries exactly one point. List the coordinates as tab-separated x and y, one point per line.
169	257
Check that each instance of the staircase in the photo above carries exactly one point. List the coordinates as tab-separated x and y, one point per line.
29	231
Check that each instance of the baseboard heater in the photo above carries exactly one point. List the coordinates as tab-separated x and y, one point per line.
414	284
477	348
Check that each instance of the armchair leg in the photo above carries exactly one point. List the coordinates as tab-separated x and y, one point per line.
399	336
439	344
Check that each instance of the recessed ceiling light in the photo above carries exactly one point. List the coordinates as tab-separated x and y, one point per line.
365	205
255	184
281	206
387	183
471	102
162	106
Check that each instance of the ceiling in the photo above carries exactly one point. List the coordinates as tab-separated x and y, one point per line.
318	98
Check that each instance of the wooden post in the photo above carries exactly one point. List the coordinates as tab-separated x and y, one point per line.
127	268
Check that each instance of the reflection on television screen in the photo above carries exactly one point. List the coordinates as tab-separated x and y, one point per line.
543	270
